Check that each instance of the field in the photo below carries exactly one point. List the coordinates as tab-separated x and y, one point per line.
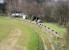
17	35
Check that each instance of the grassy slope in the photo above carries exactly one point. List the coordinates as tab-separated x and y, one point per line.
41	32
56	27
29	37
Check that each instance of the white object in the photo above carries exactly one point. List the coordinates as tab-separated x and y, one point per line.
39	21
24	16
16	14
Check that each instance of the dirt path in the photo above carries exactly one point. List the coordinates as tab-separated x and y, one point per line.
10	42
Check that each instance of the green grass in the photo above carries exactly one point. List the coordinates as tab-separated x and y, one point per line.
5	27
29	37
56	27
41	32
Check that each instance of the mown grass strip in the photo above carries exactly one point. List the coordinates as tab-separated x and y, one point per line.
29	37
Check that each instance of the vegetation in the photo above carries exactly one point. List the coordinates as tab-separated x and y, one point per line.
50	10
58	28
29	38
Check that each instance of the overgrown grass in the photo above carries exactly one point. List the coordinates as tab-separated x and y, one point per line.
46	36
61	30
